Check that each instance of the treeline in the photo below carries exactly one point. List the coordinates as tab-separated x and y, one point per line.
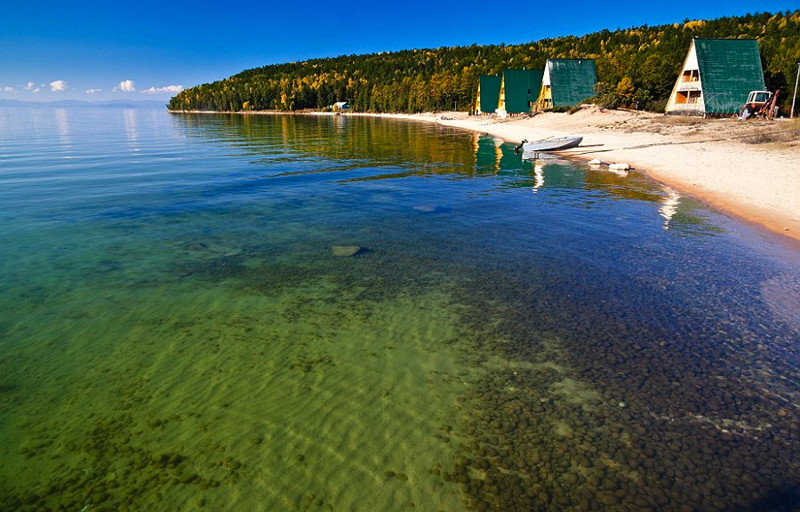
637	65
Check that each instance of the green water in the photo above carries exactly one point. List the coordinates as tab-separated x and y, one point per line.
179	334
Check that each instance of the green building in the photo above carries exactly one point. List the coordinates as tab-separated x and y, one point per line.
566	83
488	94
519	89
717	76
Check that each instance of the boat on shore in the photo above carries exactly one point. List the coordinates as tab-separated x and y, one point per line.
550	144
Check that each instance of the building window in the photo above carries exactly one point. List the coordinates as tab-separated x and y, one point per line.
690	97
690	75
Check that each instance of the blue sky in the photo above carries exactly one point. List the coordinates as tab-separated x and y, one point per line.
95	51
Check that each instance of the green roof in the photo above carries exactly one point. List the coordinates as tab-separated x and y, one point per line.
521	88
571	80
729	70
490	92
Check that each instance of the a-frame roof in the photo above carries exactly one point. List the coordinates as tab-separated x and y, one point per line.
729	70
489	86
521	88
571	80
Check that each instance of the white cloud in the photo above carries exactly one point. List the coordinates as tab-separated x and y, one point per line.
168	88
8	89
58	85
126	86
30	85
93	91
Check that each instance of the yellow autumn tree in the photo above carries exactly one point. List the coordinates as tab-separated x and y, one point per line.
625	91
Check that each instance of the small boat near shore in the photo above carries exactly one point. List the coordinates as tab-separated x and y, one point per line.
549	144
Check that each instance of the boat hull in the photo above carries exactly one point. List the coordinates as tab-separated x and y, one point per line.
552	144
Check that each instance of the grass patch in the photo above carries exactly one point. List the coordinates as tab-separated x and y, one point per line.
778	132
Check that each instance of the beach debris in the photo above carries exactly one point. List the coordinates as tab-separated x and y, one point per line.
620	166
620	169
343	251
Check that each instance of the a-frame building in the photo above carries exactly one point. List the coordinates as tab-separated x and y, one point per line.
488	94
518	90
717	76
566	83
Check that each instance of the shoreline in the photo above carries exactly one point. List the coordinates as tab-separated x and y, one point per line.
706	159
712	160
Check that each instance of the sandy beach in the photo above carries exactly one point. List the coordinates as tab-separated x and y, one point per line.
750	169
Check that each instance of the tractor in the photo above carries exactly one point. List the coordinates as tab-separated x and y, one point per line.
760	103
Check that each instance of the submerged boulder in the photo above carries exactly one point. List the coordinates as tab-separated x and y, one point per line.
427	208
345	250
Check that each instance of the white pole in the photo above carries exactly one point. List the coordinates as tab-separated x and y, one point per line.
791	116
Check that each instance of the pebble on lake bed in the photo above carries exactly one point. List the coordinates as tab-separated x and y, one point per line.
345	250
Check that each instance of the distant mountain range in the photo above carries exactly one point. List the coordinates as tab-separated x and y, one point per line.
146	104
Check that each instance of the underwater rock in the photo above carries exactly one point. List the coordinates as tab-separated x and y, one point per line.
195	246
426	208
345	250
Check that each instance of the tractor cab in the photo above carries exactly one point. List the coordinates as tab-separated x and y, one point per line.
759	98
760	103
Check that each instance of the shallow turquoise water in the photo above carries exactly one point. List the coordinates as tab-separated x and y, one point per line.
177	332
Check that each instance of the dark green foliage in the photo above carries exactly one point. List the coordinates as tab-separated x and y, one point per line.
634	66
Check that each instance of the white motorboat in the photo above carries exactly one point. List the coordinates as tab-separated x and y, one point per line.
551	144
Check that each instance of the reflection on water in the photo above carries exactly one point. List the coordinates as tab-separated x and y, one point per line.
488	152
538	174
63	126
669	206
180	329
131	129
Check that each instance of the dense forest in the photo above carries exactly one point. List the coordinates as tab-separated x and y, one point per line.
633	65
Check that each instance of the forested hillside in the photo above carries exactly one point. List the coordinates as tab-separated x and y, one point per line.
637	64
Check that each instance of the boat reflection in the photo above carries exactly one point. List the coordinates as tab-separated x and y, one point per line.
538	176
669	206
